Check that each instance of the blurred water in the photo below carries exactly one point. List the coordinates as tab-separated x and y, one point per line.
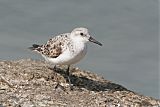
128	30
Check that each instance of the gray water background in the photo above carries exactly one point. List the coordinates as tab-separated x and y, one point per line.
128	30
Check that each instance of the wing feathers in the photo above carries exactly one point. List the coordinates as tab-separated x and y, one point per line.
53	48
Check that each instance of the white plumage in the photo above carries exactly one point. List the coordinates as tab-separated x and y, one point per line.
67	48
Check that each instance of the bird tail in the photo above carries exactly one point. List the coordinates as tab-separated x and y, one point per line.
34	47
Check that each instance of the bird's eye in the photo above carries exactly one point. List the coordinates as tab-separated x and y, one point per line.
81	34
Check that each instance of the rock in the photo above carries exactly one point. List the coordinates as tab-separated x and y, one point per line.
29	83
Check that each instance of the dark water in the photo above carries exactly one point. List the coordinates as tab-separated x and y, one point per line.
128	30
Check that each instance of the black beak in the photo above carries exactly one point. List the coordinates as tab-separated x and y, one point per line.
94	41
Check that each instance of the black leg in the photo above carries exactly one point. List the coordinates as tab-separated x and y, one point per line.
68	69
68	74
54	68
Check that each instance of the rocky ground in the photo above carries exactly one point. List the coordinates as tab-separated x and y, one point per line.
29	83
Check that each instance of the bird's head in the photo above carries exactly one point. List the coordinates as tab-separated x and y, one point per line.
81	34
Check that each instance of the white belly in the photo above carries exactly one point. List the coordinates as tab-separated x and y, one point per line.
68	57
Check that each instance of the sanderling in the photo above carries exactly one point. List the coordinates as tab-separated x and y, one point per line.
66	48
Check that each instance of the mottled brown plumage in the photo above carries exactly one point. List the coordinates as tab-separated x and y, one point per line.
54	46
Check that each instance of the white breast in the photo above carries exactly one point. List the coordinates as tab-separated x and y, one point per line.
79	52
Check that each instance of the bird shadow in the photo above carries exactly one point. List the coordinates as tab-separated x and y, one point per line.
90	84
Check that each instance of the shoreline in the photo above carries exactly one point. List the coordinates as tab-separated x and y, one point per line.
28	83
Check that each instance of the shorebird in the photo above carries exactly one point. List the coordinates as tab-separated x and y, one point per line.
66	48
